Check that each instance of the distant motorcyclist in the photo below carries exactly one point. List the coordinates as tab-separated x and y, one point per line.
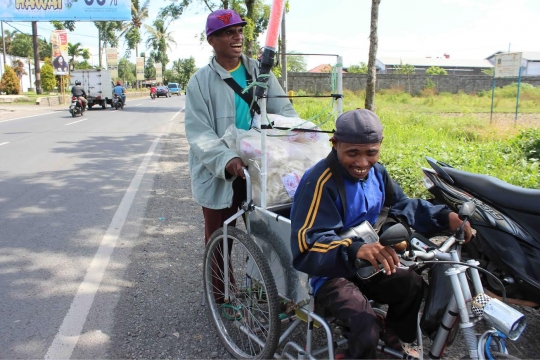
79	93
153	91
120	91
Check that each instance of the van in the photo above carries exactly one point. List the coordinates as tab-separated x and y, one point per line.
174	88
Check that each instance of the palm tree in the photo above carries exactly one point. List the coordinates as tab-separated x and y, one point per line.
131	30
159	40
74	50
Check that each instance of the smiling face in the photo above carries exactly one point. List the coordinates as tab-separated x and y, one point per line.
357	159
228	45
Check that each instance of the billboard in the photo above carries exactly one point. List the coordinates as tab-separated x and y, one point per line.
139	68
507	65
159	73
59	42
112	61
64	10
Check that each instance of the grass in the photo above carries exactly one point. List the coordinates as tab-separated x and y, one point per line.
453	128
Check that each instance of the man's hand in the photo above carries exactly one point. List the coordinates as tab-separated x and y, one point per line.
454	222
235	167
376	253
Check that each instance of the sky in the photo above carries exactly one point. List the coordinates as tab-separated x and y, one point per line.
464	29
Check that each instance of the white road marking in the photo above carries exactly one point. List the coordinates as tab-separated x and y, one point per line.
4	143
76	121
138	105
26	117
68	335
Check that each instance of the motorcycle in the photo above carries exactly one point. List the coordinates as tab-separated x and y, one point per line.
152	96
507	224
455	294
117	102
76	107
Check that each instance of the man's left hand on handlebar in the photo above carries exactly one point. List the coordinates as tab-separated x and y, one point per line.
454	222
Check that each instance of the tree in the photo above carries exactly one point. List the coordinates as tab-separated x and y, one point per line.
48	81
159	40
45	49
436	70
358	69
373	44
10	83
21	45
489	72
8	38
126	71
74	50
107	35
184	69
295	63
131	30
61	25
18	67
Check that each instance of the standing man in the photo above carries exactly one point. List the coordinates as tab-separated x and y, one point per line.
319	214
217	177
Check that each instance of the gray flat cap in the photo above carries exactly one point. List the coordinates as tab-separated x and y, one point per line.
358	126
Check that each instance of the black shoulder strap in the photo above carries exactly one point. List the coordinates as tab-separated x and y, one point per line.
338	178
247	96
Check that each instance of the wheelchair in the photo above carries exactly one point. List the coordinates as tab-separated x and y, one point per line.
261	300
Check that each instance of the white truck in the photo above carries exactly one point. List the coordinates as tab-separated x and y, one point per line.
97	84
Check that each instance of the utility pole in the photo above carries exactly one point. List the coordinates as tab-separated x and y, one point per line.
3	42
283	52
36	57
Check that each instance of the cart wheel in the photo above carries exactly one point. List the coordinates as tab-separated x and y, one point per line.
248	321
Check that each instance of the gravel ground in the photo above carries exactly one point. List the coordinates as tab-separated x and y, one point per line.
159	315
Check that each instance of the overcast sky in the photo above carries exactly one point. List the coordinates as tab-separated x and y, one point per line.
464	29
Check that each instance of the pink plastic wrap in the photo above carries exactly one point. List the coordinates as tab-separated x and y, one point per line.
274	24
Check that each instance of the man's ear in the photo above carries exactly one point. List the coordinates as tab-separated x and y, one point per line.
334	142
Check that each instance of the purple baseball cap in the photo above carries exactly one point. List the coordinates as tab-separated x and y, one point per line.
359	126
221	19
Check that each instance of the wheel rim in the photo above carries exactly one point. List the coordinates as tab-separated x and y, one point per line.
247	315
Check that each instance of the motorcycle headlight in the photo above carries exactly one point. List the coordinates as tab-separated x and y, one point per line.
427	182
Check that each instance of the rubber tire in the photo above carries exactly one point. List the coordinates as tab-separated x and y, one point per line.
501	356
104	105
271	292
90	107
72	113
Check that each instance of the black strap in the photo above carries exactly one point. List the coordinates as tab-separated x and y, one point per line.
247	96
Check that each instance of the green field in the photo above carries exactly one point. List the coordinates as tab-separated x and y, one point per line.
454	128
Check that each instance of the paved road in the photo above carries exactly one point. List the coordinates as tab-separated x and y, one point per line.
60	204
73	190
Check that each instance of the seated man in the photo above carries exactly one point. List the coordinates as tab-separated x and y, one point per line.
120	91
153	91
317	217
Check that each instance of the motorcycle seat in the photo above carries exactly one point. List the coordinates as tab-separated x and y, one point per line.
498	191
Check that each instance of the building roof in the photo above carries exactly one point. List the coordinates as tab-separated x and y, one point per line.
324	68
441	62
527	55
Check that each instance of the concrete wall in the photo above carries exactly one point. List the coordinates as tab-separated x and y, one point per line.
320	83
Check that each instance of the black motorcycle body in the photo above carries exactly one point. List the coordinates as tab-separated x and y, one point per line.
152	96
76	107
117	102
507	224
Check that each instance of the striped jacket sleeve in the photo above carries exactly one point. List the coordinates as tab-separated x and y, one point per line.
315	222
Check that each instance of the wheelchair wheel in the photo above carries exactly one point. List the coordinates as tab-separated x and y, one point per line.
248	319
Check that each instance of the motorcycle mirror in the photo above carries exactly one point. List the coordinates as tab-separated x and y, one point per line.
394	235
467	209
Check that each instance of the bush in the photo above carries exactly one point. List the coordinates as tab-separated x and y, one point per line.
529	142
48	81
436	70
10	82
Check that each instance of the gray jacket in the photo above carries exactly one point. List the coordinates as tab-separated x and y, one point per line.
210	110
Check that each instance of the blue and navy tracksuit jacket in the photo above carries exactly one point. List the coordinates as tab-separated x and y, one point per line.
317	217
